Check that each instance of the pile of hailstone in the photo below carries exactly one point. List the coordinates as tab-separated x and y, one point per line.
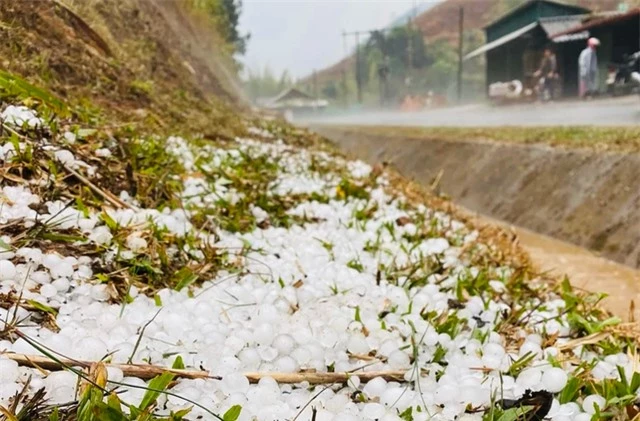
351	285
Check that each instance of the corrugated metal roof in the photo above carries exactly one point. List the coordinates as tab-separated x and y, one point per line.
501	41
607	20
556	25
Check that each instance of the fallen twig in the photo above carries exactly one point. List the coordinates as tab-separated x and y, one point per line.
109	197
147	371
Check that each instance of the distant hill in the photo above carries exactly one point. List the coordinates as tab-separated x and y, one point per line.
439	21
419	9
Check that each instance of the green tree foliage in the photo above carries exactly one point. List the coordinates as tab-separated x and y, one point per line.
263	84
225	14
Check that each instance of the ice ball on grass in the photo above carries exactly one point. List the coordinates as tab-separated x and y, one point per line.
590	403
337	403
40	277
249	357
48	291
9	370
286	364
398	360
264	334
134	392
7	391
63	269
7	270
529	378
58	379
357	344
583	417
90	348
446	394
136	243
62	394
284	344
375	387
530	348
302	355
554	380
114	374
373	411
267	353
235	383
61	284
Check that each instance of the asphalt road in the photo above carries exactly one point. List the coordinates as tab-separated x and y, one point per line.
602	112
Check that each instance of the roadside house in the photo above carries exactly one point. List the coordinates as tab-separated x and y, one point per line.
515	43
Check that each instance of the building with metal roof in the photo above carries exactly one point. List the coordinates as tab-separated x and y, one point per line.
516	40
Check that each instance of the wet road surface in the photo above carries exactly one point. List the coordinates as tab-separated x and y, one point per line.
602	112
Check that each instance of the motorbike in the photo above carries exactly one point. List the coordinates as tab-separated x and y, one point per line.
623	78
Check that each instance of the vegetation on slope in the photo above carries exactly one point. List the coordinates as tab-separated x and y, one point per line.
602	138
138	62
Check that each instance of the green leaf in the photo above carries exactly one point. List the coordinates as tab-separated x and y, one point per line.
570	391
55	416
4	245
357	316
109	221
521	363
42	307
82	207
515	414
179	415
19	87
83	133
157	300
184	278
63	238
178	364
158	383
114	402
232	413
407	414
103	412
635	382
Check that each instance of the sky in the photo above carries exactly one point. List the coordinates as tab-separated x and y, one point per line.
303	35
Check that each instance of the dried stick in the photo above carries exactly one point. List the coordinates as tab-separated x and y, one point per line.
105	194
145	371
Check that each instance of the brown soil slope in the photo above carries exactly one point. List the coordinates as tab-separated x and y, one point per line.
140	60
587	197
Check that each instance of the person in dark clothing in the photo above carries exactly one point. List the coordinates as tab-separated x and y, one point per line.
548	74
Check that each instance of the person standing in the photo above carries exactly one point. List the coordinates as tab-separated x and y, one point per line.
548	73
588	67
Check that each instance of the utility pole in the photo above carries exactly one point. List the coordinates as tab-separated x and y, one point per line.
410	50
460	49
357	34
358	73
315	84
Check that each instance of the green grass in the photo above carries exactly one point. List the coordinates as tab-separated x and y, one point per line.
607	138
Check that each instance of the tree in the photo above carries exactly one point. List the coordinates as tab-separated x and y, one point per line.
225	14
262	84
230	11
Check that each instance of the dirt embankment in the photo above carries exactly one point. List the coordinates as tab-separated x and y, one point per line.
582	196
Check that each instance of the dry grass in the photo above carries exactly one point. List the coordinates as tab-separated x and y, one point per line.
625	139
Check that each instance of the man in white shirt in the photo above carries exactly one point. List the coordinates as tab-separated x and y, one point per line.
588	68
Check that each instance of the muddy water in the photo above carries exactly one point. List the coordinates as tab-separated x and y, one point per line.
573	196
585	270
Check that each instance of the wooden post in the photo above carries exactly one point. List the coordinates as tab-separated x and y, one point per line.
358	73
460	49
